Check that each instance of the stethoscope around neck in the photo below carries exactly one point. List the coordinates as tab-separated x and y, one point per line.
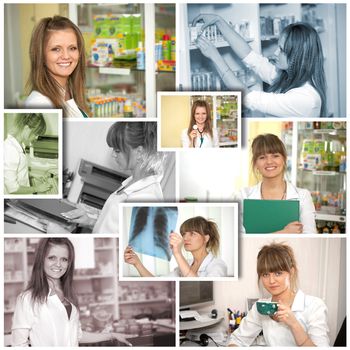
195	127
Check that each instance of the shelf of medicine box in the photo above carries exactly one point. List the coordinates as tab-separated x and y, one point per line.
330	217
340	132
145	301
90	277
220	44
227	143
323	172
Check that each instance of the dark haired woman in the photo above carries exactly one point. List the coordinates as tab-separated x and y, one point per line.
47	313
297	79
57	75
269	161
200	132
198	236
26	129
301	320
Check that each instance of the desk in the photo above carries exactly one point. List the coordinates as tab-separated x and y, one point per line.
189	325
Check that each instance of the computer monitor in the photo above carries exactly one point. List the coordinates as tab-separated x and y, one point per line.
196	294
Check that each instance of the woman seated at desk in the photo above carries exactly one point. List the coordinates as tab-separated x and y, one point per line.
198	236
301	320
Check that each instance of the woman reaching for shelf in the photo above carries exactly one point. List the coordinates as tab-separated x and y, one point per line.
296	79
200	132
57	75
269	159
198	236
47	313
300	320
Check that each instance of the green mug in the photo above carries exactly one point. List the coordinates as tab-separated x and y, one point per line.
266	307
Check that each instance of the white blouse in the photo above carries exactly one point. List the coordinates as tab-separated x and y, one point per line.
208	142
311	312
48	323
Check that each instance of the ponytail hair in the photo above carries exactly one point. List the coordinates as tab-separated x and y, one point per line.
125	136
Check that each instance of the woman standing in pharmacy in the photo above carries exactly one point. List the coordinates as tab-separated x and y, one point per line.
198	236
297	79
300	320
26	129
200	132
47	313
57	76
269	161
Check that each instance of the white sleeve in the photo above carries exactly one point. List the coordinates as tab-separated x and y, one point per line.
36	99
185	140
307	212
248	330
261	66
298	102
11	163
22	321
239	198
217	268
317	327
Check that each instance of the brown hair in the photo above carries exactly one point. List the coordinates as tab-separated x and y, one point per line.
277	257
40	78
267	143
208	127
204	227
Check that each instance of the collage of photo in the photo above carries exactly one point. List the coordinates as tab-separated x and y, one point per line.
174	174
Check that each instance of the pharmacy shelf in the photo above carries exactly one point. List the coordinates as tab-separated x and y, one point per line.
145	301
220	44
330	217
90	277
323	172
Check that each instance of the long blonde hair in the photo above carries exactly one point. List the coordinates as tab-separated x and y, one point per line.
40	78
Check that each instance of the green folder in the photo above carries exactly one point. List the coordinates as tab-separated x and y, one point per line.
267	216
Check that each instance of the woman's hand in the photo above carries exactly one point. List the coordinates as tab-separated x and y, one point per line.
193	134
207	19
293	227
80	217
42	187
52	227
176	243
285	315
207	48
123	337
130	257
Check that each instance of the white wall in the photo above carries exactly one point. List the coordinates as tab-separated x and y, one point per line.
321	263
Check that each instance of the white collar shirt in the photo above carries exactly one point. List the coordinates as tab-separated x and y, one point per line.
210	267
208	142
15	166
48	323
311	312
147	189
307	208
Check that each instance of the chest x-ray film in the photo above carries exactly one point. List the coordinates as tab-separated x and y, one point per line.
150	228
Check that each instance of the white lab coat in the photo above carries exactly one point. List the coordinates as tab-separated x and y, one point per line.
311	312
307	208
303	101
210	267
47	323
208	142
15	166
38	100
147	189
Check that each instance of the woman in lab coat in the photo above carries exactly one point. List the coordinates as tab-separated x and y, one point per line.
198	236
296	79
269	161
300	320
200	132
46	313
134	147
57	75
26	129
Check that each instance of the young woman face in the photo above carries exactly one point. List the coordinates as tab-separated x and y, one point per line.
61	54
28	136
200	115
281	57
125	161
276	282
270	165
194	241
56	261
